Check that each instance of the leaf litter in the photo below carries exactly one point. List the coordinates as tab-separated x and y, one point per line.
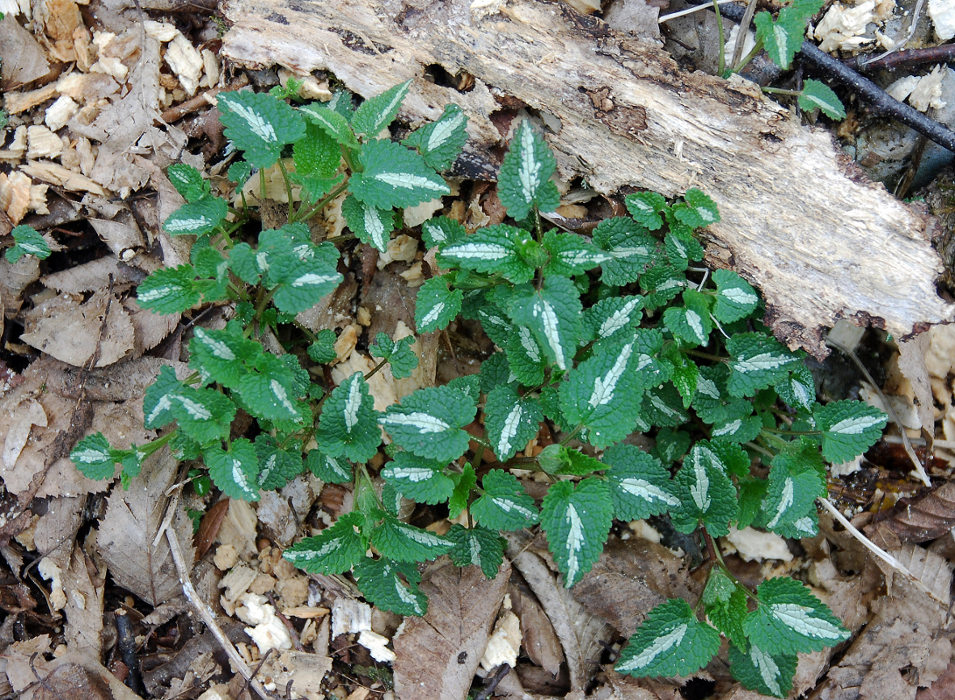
96	550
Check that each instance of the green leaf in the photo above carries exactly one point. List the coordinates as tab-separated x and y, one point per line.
553	315
511	422
270	390
394	176
525	356
639	485
735	298
188	182
796	479
559	459
314	187
334	470
603	393
504	505
370	224
699	211
169	290
769	674
645	208
260	125
670	642
690	323
93	457
742	429
463	483
441	141
436	305
577	522
613	317
391	585
524	179
725	605
334	550
705	491
277	467
671	445
398	353
202	414
379	111
322	350
781	38
570	254
403	542
790	619
242	262
685	376
421	480
799	388
757	361
429	422
316	154
477	546
663	406
442	230
347	426
222	355
331	122
27	241
680	246
630	246
234	472
493	249
239	173
303	276
817	95
661	283
849	428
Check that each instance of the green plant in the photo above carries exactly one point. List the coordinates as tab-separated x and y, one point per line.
27	241
781	38
598	339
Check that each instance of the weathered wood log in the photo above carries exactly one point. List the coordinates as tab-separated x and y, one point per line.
798	219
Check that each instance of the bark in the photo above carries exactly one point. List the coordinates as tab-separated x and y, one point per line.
798	219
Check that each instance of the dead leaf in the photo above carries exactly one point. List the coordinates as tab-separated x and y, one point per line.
912	365
539	638
903	634
23	58
128	531
438	654
580	632
631	578
86	277
70	331
918	519
72	675
27	414
84	585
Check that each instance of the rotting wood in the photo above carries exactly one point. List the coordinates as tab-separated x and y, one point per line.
798	219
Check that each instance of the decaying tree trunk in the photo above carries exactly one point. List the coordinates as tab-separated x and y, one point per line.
799	220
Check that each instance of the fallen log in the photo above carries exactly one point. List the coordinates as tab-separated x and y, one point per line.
799	220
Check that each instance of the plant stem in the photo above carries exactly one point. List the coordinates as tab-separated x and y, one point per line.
288	188
374	370
722	39
753	52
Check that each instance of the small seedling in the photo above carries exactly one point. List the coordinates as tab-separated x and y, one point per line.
598	338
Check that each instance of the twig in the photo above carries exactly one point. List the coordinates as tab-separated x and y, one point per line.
879	99
126	642
900	59
742	32
913	24
878	551
174	114
207	617
491	683
906	444
690	10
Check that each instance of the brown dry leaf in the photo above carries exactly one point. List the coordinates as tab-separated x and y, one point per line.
86	277
23	58
581	633
539	638
631	578
912	365
14	278
70	331
943	688
27	414
129	529
916	519
72	675
121	423
84	585
438	654
304	670
903	634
